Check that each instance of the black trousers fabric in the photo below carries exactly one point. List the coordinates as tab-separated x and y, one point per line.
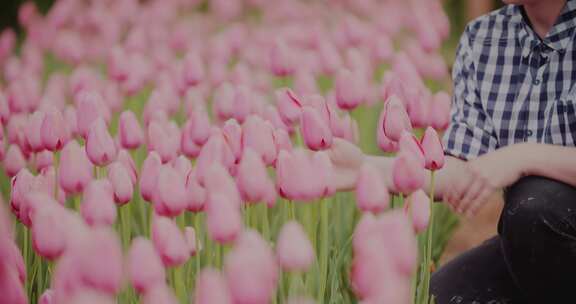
531	260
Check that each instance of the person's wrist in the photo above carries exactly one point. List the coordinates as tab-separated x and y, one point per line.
524	158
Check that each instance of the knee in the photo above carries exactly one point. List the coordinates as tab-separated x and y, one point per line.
535	200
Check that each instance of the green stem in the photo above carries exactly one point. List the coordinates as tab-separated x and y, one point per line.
324	248
429	235
56	182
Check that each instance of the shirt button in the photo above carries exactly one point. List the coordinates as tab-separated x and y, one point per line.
536	81
529	133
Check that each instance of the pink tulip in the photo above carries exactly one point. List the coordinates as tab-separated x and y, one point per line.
440	111
7	43
315	130
164	139
211	288
130	133
433	150
169	242
90	107
282	140
160	294
193	69
200	126
171	200
223	101
407	174
97	207
125	159
294	250
149	176
243	103
232	132
300	176
418	208
289	106
216	150
305	83
409	144
12	290
259	135
14	160
251	270
282	61
395	119
196	194
252	178
145	268
49	230
21	184
54	131
71	120
223	218
47	297
350	89
121	182
371	193
33	131
75	169
182	165
100	146
190	236
187	144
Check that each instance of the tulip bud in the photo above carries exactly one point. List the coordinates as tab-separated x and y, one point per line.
418	208
14	160
49	230
33	131
149	176
121	182
145	269
190	236
196	194
97	207
440	111
131	135
407	174
223	218
252	177
350	89
169	242
54	130
395	119
75	169
315	130
100	146
47	297
259	135
433	150
211	288
409	144
172	193
294	250
371	192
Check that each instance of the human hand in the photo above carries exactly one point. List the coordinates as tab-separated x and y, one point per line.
484	176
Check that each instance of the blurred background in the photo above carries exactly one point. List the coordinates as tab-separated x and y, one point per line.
470	231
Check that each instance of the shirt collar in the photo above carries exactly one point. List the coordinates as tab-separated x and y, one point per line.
559	36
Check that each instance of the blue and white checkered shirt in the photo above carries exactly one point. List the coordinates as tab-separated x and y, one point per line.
511	86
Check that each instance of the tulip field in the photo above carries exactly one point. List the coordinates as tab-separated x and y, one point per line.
209	152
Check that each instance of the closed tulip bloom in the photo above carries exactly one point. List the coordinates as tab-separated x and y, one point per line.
294	250
100	146
418	208
75	169
395	119
71	120
407	173
125	159
196	194
223	218
258	134
145	268
409	144
54	131
49	230
164	139
282	61
172	192
97	207
303	177
440	111
223	101
251	270
182	165
232	132
129	131
149	176
315	130
121	182
14	160
200	126
215	151
11	289
289	106
252	177
350	89
282	140
187	144
211	288
160	294
90	107
47	297
371	193
190	236
193	69
21	184
33	131
433	150
101	244
44	159
169	242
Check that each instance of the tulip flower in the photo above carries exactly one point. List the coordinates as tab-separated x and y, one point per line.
171	188
350	89
121	182
159	294
164	139
233	135
196	194
187	145
49	230
407	173
259	135
75	169
100	147
14	160
224	101
129	131
223	218
193	69
294	250
440	111
303	177
371	192
200	126
145	268
418	208
33	131
126	160
395	119
54	131
433	150
44	160
97	207
211	288
315	130
149	176
47	297
252	178
90	107
281	59
251	270
215	151
409	144
289	106
169	242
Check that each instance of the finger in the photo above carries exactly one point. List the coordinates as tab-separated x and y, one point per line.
459	190
480	201
471	194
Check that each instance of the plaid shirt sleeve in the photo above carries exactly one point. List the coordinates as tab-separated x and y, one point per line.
471	132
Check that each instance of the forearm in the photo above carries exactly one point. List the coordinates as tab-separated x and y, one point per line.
551	161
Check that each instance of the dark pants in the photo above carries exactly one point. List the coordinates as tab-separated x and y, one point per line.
531	260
